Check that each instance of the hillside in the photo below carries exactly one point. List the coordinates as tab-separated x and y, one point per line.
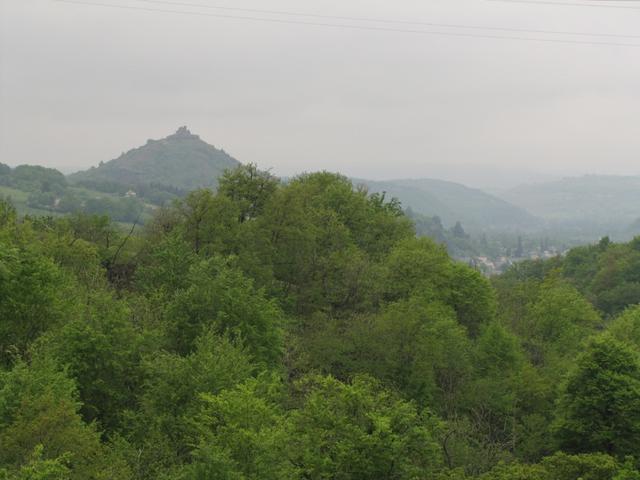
454	202
163	170
588	202
175	353
42	191
181	160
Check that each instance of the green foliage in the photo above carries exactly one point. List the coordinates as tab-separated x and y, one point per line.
599	410
626	327
300	330
416	346
247	426
417	265
320	236
35	177
39	412
100	349
472	297
32	298
606	274
516	472
360	431
210	221
559	320
210	462
39	468
181	160
220	298
7	212
172	384
595	466
560	467
166	266
552	320
249	189
628	471
47	190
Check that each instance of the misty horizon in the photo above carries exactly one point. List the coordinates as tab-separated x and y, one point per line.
481	176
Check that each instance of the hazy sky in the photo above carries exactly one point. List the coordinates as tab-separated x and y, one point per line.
80	84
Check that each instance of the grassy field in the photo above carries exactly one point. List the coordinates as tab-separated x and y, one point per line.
19	200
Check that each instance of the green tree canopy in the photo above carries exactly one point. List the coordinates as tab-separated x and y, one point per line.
599	410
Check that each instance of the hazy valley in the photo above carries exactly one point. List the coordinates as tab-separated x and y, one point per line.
534	220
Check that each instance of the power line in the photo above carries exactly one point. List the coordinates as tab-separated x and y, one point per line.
611	2
389	21
350	26
569	4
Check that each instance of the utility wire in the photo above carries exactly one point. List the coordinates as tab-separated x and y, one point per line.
389	21
568	4
350	26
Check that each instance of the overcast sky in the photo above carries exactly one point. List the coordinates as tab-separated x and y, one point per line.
80	84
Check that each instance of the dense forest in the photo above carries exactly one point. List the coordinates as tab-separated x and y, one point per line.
36	190
301	330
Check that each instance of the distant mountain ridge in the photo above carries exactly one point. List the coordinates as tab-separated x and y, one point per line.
454	202
592	201
181	160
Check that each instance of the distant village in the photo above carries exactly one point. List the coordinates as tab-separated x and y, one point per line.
495	266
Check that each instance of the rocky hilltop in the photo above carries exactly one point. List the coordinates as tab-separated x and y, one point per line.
181	160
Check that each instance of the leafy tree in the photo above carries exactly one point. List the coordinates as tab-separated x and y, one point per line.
249	188
626	327
299	329
360	431
516	471
247	426
100	349
502	400
209	461
32	298
222	299
595	466
599	410
96	229
39	468
165	267
581	265
385	227
416	346
559	467
8	213
320	235
617	282
35	177
209	222
628	471
557	322
413	345
417	265
39	412
472	297
170	398
458	231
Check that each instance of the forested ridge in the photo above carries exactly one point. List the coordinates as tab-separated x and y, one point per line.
301	330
